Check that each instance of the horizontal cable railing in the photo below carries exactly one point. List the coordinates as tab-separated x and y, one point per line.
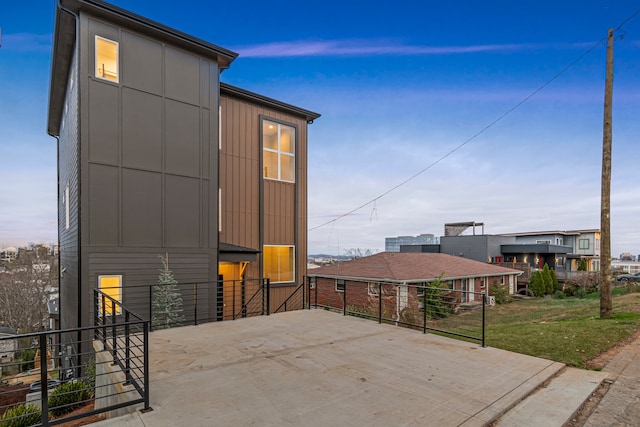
295	301
53	377
454	312
192	303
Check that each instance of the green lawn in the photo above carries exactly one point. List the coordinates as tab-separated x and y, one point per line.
565	330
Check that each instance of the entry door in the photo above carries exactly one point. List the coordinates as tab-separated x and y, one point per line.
464	297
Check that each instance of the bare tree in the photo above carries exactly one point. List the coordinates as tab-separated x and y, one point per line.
355	253
25	288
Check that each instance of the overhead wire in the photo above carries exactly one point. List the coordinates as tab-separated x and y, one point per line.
481	131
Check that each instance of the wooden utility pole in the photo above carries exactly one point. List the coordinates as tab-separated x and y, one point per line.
606	304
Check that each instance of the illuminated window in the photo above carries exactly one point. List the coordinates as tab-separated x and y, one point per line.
106	59
111	286
278	156
279	263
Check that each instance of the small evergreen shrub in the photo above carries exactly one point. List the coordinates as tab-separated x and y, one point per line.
24	415
500	292
536	284
67	397
559	294
548	280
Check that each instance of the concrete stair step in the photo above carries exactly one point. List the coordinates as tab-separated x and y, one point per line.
554	403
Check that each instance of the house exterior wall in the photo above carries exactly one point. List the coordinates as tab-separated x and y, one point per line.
68	202
471	247
257	211
148	167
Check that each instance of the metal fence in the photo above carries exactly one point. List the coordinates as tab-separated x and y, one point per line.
193	303
47	376
422	307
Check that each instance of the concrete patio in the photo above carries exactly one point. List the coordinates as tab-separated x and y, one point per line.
317	368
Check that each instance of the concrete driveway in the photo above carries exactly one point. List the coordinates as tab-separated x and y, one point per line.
318	368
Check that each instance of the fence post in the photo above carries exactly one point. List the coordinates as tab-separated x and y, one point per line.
104	321
127	348
268	296
150	307
424	310
145	333
114	332
44	384
344	299
195	303
379	302
484	302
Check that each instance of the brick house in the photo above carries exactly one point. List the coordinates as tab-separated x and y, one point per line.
395	281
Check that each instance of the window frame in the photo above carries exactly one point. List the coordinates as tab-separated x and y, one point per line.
96	65
118	293
278	152
581	246
376	289
293	263
341	285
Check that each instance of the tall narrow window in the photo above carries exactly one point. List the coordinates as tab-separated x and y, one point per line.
106	59
67	210
279	263
278	159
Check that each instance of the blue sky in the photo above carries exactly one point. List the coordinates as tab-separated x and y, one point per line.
399	86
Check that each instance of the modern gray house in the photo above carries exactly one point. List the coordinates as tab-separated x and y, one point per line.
150	162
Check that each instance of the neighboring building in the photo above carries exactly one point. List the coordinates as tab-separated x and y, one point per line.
626	256
407	271
157	156
561	250
392	244
625	266
582	244
8	254
8	346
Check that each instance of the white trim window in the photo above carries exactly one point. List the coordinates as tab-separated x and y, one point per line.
373	289
279	263
107	67
340	285
278	151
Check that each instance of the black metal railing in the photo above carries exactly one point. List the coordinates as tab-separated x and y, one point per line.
192	303
453	312
46	376
295	301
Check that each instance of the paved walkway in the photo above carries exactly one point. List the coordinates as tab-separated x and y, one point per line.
621	405
316	368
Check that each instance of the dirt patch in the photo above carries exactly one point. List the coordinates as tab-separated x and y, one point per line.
602	359
12	394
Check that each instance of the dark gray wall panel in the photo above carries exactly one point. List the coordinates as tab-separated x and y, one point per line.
103	122
141	63
141	130
206	137
182	223
182	138
103	205
182	76
141	208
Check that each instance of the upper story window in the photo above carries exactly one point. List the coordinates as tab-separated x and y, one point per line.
278	151
583	244
107	59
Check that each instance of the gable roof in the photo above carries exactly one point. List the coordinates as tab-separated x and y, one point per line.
410	267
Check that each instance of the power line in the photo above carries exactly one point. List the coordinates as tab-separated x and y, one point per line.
480	132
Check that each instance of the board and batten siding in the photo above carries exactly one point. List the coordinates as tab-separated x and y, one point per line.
149	161
248	220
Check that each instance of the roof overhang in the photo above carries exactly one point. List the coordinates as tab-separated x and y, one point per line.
235	253
64	37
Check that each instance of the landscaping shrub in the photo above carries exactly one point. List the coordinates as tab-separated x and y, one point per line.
28	414
559	294
548	280
28	360
500	292
580	286
536	284
67	397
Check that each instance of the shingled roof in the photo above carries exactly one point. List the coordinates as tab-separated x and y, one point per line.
410	267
